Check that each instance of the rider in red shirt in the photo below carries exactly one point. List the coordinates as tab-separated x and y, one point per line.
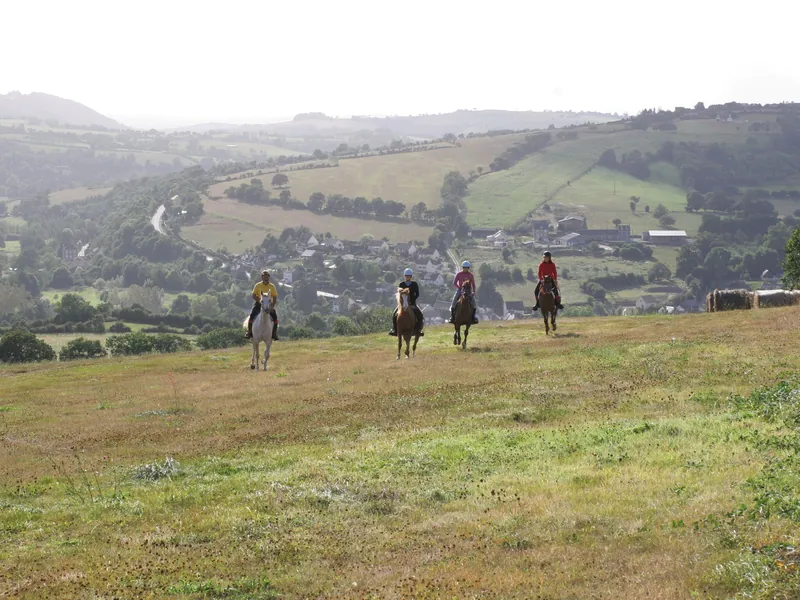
548	267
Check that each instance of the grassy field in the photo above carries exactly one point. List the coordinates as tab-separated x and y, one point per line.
610	461
409	178
242	150
76	193
502	199
59	340
254	222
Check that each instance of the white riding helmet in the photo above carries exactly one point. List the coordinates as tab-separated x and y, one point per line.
466	264
408	272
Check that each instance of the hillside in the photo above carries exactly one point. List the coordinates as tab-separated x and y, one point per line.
47	107
418	126
614	460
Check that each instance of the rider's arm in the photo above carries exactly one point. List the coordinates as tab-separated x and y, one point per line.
256	295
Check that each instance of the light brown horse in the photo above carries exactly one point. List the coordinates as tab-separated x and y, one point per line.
406	323
463	316
547	303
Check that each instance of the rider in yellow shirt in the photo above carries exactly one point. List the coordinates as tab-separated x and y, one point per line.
261	289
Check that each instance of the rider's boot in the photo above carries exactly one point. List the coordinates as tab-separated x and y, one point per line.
249	334
474	318
275	337
394	325
535	308
452	316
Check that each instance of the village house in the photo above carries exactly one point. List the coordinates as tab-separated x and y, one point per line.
312	242
376	246
434	279
405	248
515	307
672	237
288	276
308	254
335	244
572	223
498	239
541	228
646	302
481	233
622	233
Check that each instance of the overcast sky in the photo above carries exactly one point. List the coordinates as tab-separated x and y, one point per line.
251	60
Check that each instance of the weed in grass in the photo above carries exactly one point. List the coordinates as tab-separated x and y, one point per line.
155	471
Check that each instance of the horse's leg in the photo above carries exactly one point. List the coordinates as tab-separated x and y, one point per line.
414	349
267	345
256	349
253	357
466	335
553	319
399	345
456	335
546	324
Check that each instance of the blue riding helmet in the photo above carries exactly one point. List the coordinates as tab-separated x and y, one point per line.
408	272
466	264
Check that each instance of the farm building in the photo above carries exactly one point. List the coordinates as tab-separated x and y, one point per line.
571	239
621	234
572	223
673	237
482	232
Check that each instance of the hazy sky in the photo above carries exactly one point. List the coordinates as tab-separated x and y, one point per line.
250	60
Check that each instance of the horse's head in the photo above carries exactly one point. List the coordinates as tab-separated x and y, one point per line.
548	284
467	287
402	298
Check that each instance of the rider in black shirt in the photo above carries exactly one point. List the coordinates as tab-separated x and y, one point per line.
413	294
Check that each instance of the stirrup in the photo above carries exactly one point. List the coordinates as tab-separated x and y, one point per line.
393	333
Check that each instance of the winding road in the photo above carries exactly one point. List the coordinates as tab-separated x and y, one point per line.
156	220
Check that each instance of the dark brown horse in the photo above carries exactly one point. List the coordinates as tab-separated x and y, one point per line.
547	303
463	315
406	323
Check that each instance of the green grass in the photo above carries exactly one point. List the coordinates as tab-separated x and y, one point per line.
225	219
75	194
607	462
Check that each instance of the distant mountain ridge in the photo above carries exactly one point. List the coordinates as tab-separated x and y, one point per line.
46	107
430	126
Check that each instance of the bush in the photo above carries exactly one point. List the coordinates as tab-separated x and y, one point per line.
141	343
19	346
228	337
81	348
119	327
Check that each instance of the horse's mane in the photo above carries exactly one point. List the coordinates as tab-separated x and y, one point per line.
400	307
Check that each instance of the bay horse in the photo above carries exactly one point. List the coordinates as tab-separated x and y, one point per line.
406	323
463	316
262	332
547	303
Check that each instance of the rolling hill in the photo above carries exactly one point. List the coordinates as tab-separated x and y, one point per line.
46	107
622	458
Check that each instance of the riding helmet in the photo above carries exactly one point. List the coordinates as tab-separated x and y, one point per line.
466	264
547	253
408	272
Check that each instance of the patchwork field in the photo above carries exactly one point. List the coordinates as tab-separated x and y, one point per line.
248	219
75	194
409	177
611	461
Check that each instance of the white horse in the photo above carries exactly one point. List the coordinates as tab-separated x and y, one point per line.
262	332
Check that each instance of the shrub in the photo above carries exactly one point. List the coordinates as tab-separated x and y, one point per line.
19	346
228	337
141	343
156	470
81	348
119	327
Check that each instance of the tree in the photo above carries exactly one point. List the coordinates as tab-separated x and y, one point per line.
632	206
660	211
61	279
666	221
205	305
221	338
688	260
344	326
316	202
506	255
647	208
699	106
418	211
181	305
73	308
608	159
718	201
659	272
617	222
695	201
530	276
19	346
791	264
82	348
285	197
516	275
280	180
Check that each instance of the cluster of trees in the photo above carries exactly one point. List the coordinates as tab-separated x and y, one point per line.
359	206
633	251
25	172
530	145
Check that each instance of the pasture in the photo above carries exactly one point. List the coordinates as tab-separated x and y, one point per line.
408	177
76	193
611	461
249	219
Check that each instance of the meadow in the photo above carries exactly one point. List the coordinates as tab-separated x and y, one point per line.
76	193
614	460
254	222
408	177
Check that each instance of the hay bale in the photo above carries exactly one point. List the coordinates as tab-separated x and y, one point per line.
720	300
776	298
